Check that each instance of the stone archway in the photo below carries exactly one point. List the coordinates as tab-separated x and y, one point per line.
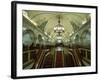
28	37
86	38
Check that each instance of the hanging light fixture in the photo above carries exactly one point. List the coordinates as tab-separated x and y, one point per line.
59	28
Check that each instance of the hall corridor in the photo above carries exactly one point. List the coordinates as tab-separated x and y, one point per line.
55	39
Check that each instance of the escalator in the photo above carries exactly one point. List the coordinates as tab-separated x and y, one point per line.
58	59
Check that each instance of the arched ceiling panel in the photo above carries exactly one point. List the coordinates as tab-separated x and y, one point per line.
52	17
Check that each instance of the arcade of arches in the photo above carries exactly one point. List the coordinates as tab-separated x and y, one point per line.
43	47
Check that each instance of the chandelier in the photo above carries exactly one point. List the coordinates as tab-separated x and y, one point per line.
59	28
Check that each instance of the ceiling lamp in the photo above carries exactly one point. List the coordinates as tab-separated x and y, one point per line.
59	28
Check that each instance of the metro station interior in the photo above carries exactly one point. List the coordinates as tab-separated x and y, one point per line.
55	39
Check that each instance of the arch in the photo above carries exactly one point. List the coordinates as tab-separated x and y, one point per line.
28	37
86	38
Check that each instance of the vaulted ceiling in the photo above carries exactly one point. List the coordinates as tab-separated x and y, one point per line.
46	21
